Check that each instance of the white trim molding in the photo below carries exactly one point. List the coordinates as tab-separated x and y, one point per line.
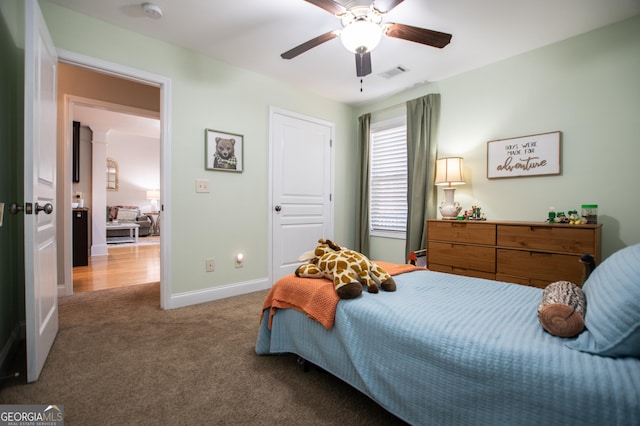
189	298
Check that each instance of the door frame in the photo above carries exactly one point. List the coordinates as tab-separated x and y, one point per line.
164	84
273	111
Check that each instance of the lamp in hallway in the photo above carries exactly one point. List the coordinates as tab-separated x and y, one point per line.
449	171
154	196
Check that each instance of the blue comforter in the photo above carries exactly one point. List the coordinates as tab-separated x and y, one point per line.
450	350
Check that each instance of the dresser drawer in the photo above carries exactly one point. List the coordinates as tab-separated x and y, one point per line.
564	239
538	266
462	256
463	232
462	271
532	282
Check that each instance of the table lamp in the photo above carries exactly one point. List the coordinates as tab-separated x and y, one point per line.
449	172
154	196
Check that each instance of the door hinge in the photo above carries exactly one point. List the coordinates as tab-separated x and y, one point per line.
330	197
330	143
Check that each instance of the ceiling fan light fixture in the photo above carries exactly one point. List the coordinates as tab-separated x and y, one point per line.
361	36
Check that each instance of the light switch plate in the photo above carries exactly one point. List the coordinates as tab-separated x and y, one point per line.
202	185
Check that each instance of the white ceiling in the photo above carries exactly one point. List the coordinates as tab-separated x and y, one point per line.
253	33
100	119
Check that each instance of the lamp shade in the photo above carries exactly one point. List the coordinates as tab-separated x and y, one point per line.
153	195
361	36
449	171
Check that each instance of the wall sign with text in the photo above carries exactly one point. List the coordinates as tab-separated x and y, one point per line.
532	155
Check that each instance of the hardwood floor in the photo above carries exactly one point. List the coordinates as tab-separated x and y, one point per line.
123	267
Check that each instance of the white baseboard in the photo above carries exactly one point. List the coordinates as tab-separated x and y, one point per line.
189	298
99	250
63	290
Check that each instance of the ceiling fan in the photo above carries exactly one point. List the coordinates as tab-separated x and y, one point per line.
363	28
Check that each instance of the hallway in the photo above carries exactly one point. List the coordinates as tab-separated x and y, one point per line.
125	266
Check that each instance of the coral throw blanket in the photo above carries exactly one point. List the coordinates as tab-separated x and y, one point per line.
315	297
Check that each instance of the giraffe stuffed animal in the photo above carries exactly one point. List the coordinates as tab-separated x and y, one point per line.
348	269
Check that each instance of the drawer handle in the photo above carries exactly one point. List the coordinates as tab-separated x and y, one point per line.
538	254
539	228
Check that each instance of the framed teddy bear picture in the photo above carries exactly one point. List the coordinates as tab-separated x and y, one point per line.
223	151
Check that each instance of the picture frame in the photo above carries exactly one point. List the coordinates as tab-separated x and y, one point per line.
224	151
532	155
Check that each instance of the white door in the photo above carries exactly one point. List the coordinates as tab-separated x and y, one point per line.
301	178
41	286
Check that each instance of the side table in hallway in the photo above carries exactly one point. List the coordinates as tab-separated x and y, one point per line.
155	222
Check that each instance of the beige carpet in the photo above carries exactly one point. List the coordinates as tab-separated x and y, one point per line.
120	360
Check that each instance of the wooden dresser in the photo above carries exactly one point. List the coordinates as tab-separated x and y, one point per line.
530	253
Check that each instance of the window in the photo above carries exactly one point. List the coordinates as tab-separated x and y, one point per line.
388	186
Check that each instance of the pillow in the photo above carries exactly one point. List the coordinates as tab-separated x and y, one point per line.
562	308
112	213
127	214
613	319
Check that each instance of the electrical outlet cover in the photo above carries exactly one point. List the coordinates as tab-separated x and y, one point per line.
202	185
210	265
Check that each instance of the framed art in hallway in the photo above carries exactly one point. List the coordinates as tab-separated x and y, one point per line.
223	151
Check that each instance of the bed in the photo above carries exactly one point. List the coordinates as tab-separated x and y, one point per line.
451	350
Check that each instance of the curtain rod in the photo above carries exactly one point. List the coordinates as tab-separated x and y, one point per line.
404	104
392	106
386	108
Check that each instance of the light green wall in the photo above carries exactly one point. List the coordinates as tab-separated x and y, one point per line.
588	87
210	94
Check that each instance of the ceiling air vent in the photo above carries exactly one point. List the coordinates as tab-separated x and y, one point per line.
398	69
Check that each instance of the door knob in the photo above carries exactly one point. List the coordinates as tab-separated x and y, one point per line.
47	208
278	208
15	208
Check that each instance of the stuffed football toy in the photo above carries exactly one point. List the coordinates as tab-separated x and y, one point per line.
348	269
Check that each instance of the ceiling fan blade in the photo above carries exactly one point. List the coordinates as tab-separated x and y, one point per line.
290	54
363	64
418	35
385	6
329	5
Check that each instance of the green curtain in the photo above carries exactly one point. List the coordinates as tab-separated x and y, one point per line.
422	127
362	188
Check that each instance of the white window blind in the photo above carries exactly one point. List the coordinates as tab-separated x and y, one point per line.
388	186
